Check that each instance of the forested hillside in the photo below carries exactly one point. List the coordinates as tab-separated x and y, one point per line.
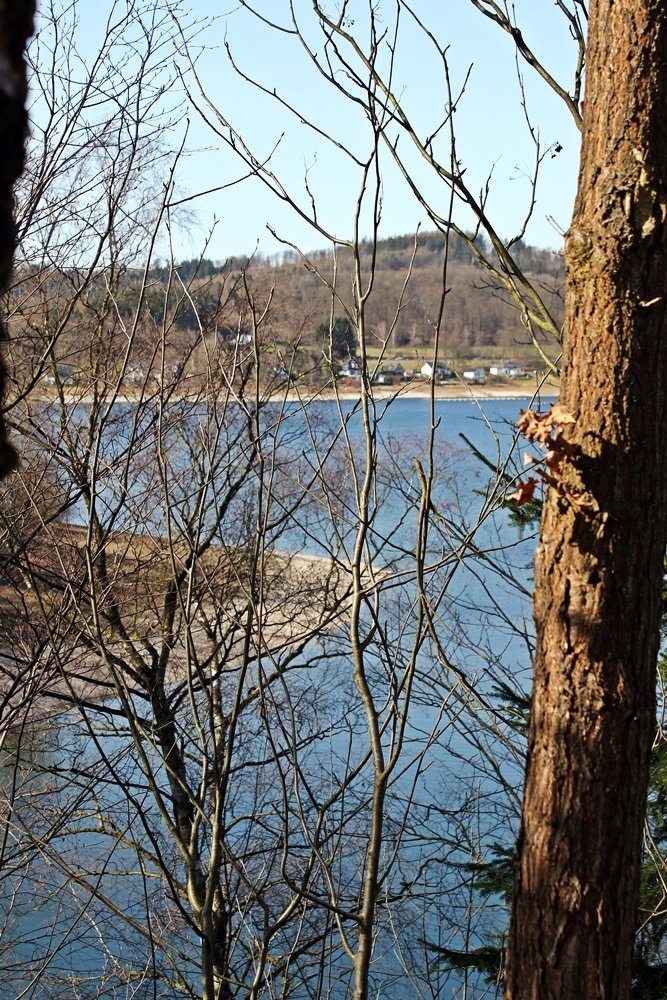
302	299
203	308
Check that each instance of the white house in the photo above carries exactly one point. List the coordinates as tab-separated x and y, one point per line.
440	371
389	374
475	375
351	369
509	369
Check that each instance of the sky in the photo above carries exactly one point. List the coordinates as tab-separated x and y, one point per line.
311	162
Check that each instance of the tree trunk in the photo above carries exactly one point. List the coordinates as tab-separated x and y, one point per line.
16	25
600	560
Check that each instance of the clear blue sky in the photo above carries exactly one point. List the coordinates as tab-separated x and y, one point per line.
492	134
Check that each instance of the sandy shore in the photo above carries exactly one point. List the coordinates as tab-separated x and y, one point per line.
527	388
523	389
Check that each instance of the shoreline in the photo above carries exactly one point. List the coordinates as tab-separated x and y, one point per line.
425	390
526	389
50	691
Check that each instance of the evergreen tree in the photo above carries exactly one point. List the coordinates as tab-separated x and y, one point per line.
340	335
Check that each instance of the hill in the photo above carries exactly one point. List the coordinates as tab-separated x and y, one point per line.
176	319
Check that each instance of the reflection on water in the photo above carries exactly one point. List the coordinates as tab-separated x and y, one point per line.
78	895
92	885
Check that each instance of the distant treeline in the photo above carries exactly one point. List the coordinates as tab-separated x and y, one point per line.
393	252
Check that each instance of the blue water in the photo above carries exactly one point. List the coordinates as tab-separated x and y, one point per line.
455	792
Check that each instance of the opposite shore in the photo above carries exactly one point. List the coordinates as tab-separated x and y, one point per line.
523	389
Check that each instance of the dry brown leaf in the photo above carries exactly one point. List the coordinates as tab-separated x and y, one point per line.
535	426
559	415
525	492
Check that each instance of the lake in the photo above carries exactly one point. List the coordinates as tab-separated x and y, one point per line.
93	893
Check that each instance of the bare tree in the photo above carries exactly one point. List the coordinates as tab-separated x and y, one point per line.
576	847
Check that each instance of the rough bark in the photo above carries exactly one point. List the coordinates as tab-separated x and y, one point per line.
600	559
